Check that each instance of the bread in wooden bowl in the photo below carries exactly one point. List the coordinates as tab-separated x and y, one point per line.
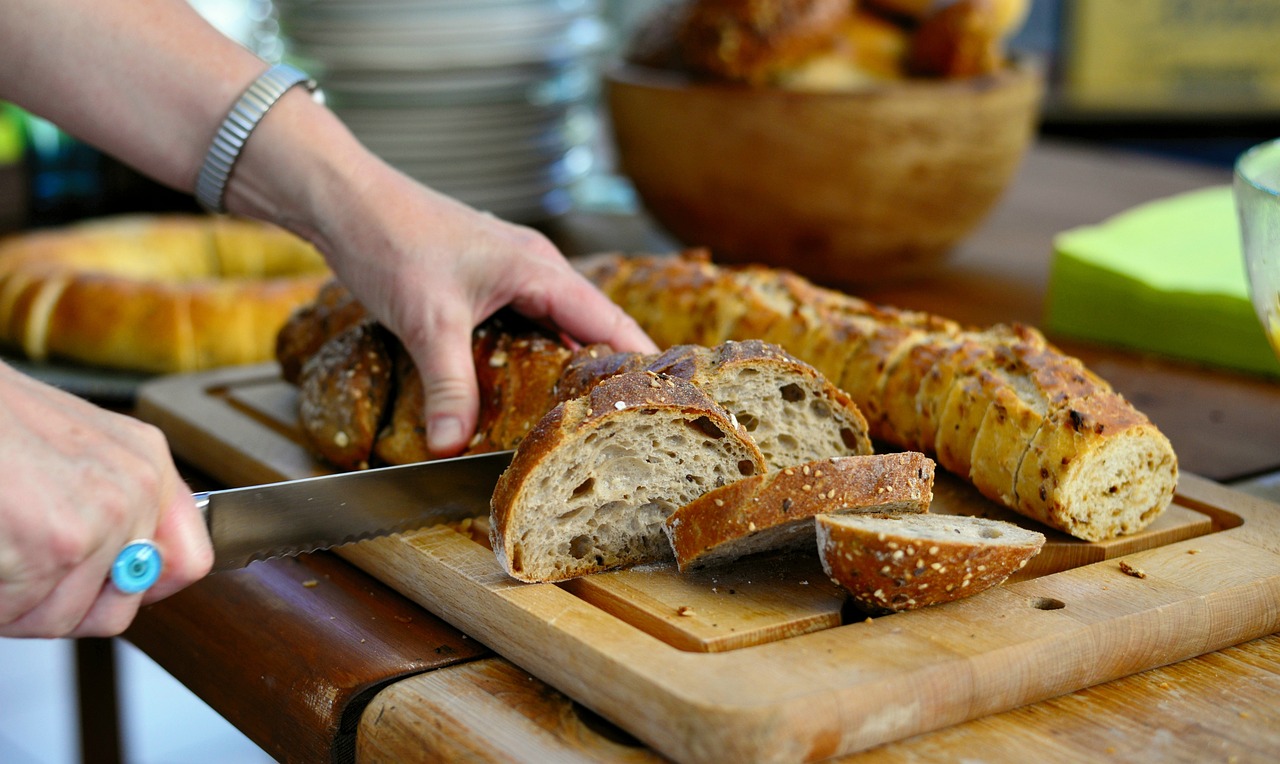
792	411
590	486
774	511
154	293
999	406
892	563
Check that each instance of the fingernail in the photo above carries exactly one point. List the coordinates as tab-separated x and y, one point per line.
444	433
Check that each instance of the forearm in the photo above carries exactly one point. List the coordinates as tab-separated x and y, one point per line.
146	81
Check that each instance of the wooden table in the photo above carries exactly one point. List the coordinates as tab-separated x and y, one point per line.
315	660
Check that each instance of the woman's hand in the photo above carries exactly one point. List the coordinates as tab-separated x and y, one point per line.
77	483
427	266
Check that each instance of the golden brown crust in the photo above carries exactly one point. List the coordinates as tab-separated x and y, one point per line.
343	395
888	569
775	510
332	312
154	293
751	41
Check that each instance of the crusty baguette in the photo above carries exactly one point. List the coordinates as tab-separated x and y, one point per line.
592	483
892	563
774	511
1007	378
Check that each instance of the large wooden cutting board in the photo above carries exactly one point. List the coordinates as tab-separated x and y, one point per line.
764	662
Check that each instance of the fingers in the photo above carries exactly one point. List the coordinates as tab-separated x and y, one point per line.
578	308
449	383
79	483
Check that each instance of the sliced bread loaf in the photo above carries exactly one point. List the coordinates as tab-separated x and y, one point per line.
590	486
891	563
774	511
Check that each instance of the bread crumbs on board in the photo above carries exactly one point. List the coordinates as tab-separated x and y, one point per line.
1130	570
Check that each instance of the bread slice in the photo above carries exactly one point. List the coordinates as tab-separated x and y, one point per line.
592	483
891	563
793	412
1097	468
775	511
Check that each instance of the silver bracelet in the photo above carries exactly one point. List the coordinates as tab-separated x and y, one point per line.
211	183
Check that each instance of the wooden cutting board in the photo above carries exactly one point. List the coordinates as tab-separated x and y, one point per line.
764	662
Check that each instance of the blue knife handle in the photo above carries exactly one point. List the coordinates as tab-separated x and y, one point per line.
138	566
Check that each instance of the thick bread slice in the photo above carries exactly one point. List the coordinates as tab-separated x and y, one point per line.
902	411
891	563
774	511
592	483
794	413
1033	378
1097	468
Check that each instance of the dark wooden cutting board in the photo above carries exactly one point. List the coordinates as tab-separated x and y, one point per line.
764	662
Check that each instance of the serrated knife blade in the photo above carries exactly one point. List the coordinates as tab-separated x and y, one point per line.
286	518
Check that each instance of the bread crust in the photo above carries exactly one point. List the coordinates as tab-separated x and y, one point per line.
344	393
893	563
154	293
774	511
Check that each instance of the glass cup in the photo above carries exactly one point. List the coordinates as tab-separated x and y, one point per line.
1256	186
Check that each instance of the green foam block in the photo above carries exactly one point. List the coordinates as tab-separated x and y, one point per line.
1166	277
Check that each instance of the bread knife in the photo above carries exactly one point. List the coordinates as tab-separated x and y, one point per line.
287	518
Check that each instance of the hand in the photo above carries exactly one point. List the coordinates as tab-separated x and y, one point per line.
79	483
431	269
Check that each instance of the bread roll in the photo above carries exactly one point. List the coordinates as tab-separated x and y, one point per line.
775	511
592	483
892	563
154	293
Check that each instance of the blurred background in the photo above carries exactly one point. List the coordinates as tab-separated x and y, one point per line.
497	101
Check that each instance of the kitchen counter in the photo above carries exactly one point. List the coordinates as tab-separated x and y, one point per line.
313	659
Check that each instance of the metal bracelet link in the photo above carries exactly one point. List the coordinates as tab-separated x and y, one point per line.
257	100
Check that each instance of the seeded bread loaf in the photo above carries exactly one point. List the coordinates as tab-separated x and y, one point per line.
775	511
592	483
794	413
343	390
993	405
360	397
891	563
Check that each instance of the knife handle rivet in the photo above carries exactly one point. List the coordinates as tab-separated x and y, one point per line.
137	567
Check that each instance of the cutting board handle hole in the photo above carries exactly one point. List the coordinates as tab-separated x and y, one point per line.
1047	603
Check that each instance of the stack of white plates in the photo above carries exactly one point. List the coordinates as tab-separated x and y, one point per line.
489	101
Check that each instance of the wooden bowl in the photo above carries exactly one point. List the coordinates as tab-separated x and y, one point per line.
845	188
